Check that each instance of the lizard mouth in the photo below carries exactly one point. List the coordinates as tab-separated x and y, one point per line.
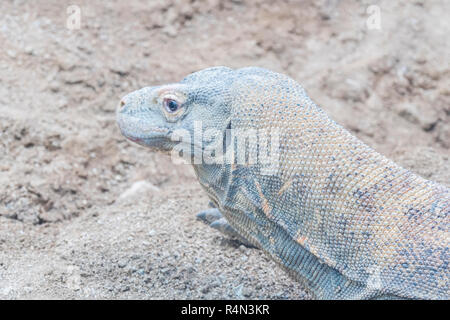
137	140
136	130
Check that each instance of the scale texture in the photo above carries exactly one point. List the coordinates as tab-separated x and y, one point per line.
341	218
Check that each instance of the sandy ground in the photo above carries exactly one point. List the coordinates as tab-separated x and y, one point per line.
86	214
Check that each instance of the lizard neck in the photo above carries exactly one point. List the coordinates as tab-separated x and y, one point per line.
214	178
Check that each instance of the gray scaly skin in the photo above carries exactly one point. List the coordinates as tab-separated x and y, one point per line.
338	216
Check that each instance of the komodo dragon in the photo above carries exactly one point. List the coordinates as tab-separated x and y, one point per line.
338	216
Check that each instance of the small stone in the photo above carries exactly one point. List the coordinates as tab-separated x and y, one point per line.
170	30
246	292
11	53
141	272
122	263
29	50
138	188
206	289
238	290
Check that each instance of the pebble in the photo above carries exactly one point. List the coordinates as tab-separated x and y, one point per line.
122	263
246	292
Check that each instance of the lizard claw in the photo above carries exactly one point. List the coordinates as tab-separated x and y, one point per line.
214	218
208	216
223	226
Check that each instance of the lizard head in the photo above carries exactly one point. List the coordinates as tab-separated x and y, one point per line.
206	102
150	116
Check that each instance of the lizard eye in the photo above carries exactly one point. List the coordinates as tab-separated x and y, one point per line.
171	105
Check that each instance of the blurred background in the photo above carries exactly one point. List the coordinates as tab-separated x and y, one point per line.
86	214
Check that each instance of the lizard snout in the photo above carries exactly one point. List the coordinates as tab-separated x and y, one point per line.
127	101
